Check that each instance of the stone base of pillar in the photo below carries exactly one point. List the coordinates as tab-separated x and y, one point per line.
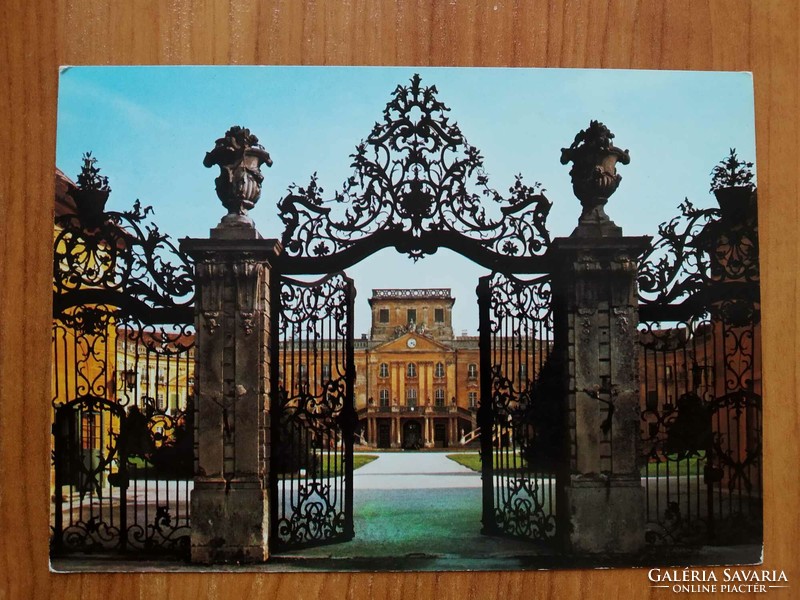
429	444
394	445
234	526
606	515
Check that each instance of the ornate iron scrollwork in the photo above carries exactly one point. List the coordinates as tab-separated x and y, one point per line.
697	251
123	377
312	460
519	425
676	266
418	185
699	329
119	261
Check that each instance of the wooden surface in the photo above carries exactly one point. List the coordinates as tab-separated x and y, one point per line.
38	35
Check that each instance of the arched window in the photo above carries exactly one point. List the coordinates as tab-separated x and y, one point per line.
383	370
438	371
438	397
411	370
472	370
411	396
383	396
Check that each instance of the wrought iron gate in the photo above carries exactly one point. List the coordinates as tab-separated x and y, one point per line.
123	376
418	186
701	375
313	410
518	414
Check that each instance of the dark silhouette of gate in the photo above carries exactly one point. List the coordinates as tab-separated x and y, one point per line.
701	373
418	186
123	378
313	411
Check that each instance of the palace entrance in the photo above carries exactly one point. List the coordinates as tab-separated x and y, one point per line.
418	186
412	435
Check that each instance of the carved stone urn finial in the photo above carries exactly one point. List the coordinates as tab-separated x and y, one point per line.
239	157
594	171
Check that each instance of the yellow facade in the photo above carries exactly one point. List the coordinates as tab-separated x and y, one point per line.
417	385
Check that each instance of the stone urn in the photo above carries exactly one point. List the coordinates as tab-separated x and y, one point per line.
239	157
594	174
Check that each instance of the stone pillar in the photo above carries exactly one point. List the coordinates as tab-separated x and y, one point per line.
601	500
230	500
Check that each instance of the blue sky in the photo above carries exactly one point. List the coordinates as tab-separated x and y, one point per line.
150	128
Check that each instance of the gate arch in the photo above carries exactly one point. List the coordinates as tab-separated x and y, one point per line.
418	186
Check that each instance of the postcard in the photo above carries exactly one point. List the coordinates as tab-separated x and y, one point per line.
404	319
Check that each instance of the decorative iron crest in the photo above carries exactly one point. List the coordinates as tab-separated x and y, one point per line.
418	185
122	263
699	249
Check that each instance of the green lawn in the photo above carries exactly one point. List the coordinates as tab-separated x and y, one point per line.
335	464
473	461
359	460
332	464
692	466
676	468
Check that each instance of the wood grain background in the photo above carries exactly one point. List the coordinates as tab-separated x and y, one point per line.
36	36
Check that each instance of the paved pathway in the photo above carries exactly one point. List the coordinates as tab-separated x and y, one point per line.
414	471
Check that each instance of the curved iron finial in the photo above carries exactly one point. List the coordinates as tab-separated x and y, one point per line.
594	174
239	157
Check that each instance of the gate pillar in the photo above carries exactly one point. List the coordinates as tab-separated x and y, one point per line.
600	506
230	499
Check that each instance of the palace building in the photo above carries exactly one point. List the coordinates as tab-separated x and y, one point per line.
417	384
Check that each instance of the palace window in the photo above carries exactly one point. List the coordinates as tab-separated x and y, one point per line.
326	372
438	397
473	399
411	370
383	315
438	370
302	374
383	370
411	396
412	315
472	370
523	372
383	397
438	315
